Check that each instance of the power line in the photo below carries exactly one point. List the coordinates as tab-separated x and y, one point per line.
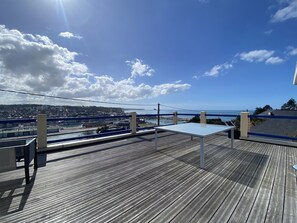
167	106
73	99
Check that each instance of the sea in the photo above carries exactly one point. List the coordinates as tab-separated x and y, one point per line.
188	114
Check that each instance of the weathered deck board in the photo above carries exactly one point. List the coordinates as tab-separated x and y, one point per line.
290	197
233	198
128	181
276	203
264	192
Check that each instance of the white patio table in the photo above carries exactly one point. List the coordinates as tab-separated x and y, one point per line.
196	129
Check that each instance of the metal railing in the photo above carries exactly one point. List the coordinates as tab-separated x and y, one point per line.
267	135
180	117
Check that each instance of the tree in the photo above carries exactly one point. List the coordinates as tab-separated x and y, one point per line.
290	105
259	110
267	107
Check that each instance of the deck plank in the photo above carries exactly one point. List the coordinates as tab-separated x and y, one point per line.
261	202
129	181
249	196
194	199
228	206
290	198
276	203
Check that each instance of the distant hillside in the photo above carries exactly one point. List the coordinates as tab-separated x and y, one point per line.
31	110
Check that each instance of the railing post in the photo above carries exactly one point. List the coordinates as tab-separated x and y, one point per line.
244	124
41	131
133	123
174	118
203	117
158	111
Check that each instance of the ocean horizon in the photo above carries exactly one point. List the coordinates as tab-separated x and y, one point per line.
192	113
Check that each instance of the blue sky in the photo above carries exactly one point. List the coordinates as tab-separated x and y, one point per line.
194	54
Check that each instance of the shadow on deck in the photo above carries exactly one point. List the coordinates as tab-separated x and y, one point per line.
129	181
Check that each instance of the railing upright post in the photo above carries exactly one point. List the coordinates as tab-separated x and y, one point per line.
174	118
133	122
158	111
203	117
41	131
244	124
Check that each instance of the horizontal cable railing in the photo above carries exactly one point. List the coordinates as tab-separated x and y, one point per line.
269	135
222	115
12	121
87	118
272	136
149	122
273	116
91	136
186	114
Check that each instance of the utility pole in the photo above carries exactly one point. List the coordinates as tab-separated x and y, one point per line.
158	114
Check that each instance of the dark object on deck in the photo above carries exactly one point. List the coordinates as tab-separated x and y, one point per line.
236	134
41	159
13	151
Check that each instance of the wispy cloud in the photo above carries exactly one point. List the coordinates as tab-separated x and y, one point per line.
34	63
69	35
268	32
256	55
260	56
291	51
203	1
215	71
274	60
286	13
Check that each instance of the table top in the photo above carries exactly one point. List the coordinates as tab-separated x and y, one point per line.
196	129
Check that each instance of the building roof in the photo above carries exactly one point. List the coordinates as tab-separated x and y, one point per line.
279	127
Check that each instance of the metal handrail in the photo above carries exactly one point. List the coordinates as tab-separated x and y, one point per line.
151	115
273	116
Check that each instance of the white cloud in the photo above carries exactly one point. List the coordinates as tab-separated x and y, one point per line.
286	13
265	56
139	69
70	35
216	70
34	63
274	60
292	51
260	56
109	89
256	55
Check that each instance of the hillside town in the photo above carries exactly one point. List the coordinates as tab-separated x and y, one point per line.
23	111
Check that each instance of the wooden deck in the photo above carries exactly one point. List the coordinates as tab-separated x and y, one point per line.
128	181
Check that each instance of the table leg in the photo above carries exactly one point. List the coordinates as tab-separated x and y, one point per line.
202	152
232	138
156	139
